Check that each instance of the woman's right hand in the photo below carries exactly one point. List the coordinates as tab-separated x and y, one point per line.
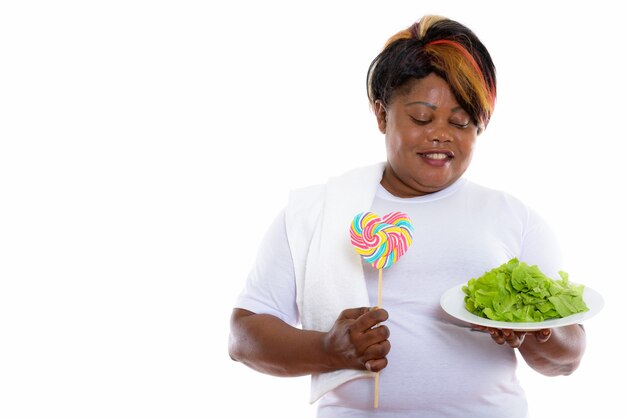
358	341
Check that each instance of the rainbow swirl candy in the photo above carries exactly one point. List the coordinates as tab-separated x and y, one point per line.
381	241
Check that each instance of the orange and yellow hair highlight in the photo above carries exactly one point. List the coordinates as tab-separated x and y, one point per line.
443	46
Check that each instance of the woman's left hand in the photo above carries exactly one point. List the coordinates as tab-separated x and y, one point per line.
513	338
551	352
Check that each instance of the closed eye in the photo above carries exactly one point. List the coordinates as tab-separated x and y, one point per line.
420	121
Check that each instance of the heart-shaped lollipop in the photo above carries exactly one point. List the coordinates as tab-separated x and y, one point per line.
381	240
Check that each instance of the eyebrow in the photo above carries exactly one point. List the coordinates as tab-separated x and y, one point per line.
431	106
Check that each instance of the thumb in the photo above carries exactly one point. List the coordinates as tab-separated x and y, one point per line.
353	313
543	335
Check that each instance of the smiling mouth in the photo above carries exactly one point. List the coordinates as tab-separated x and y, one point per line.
436	155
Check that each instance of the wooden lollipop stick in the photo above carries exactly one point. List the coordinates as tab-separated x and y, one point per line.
380	303
380	288
381	241
376	390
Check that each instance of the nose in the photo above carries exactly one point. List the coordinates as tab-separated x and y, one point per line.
440	133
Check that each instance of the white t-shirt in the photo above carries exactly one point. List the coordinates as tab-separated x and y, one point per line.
438	366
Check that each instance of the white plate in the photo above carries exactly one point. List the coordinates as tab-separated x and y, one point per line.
453	302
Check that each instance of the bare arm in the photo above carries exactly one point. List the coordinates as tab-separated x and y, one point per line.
269	345
559	355
551	352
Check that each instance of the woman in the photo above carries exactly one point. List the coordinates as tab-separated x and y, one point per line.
306	306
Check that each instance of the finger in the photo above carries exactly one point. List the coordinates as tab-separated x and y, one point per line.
370	318
374	335
376	365
496	335
376	351
512	338
509	334
479	327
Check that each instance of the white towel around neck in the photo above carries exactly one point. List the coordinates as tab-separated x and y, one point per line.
329	272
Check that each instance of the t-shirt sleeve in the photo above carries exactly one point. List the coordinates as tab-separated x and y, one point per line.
271	285
541	246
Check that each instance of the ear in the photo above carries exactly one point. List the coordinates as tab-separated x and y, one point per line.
381	116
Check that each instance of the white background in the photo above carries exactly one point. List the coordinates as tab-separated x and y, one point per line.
145	146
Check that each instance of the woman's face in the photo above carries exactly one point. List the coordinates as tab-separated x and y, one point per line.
429	138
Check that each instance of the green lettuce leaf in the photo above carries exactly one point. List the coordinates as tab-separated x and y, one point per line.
518	292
